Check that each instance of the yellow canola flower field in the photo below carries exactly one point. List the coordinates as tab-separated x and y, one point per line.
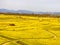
29	30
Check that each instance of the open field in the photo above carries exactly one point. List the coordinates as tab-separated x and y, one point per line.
22	29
